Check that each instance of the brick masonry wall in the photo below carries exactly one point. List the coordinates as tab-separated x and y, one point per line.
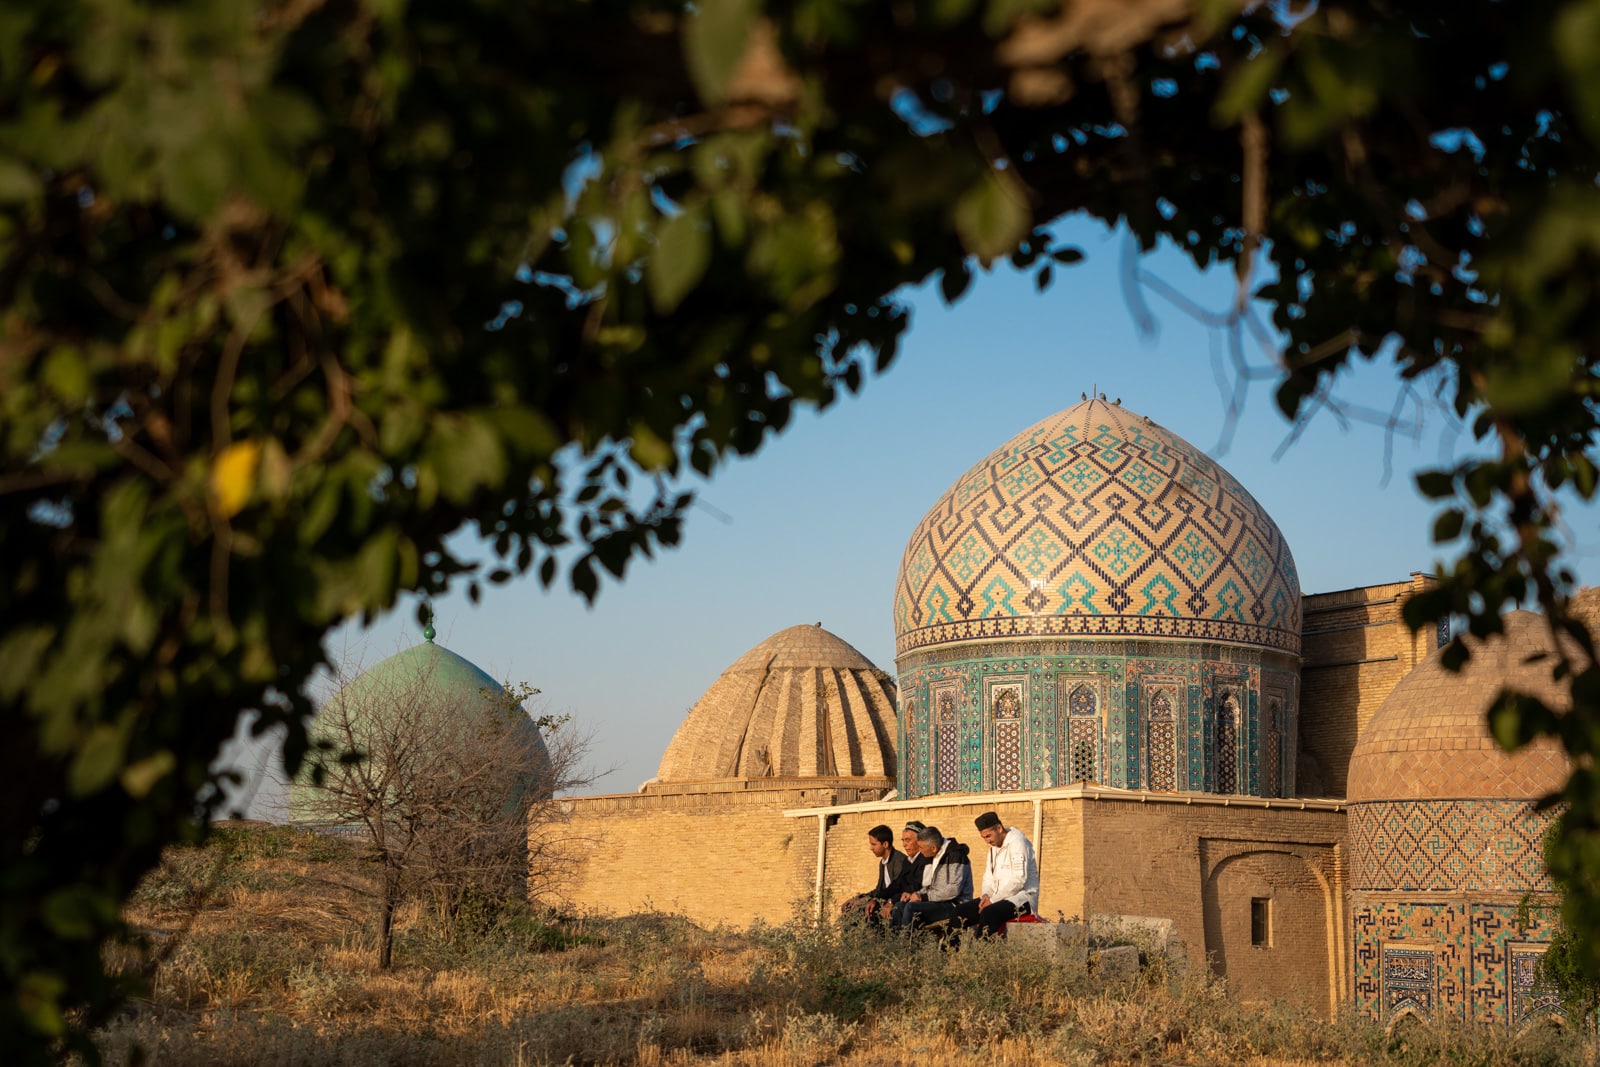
716	857
1356	648
735	857
1201	864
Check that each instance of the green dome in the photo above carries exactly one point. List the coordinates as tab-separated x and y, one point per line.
422	684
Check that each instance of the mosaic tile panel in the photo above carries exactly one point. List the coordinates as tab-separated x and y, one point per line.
1504	936
1533	998
1225	758
1161	751
1409	981
1033	684
1008	756
948	777
1097	521
1438	926
1470	845
1484	957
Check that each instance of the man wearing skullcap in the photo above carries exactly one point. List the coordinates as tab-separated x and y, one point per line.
1010	880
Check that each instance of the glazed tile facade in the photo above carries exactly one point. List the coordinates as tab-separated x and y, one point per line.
1097	522
1169	716
1452	910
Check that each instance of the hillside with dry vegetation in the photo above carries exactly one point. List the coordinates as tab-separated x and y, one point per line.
261	949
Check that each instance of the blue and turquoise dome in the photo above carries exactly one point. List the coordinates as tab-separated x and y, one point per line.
1097	521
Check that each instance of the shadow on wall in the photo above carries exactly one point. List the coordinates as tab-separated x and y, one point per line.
1268	920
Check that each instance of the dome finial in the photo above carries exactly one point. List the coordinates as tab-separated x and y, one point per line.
428	632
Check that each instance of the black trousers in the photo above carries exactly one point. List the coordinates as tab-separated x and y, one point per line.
988	920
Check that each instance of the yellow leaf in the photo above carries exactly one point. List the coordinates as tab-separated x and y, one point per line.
233	477
139	778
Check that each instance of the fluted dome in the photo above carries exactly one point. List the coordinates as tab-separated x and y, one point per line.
1097	521
1430	737
802	703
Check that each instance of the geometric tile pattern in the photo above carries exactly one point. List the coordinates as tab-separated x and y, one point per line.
1226	760
1161	753
949	735
1097	521
1117	711
1483	957
1008	755
1272	749
1449	845
1438	927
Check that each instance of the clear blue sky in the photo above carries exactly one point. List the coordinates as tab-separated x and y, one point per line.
816	522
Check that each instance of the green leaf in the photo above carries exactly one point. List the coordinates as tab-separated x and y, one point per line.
1246	87
714	37
1447	527
993	216
98	760
18	182
1436	485
683	251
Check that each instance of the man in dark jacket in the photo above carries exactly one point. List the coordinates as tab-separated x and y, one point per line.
891	865
910	879
946	882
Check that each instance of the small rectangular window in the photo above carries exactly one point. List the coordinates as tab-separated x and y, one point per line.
1261	921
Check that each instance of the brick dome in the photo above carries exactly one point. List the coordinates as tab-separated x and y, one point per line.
1096	521
802	703
1430	740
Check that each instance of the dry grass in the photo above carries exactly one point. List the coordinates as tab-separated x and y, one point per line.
266	955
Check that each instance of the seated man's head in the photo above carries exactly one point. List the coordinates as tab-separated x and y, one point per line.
991	829
908	837
880	839
930	840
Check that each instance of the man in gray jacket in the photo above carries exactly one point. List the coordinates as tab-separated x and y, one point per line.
946	882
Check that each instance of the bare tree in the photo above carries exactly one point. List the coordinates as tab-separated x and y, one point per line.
452	787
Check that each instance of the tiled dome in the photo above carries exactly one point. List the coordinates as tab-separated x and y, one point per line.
802	703
409	688
1097	521
1430	738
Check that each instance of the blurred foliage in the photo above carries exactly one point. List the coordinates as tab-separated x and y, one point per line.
292	291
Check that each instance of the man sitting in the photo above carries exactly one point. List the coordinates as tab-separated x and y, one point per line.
1010	880
910	879
891	865
946	882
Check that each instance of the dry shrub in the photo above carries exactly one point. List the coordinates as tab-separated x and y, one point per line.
269	974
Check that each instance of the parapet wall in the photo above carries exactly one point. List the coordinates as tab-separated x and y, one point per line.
1356	648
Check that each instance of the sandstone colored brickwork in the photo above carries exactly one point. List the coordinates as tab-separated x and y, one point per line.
714	852
1356	648
1201	863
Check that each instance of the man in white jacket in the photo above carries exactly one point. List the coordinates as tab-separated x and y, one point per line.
1010	880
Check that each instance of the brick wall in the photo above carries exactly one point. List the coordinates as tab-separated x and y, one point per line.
1201	863
1356	648
714	852
737	855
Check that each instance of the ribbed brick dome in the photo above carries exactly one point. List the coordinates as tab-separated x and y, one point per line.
1430	739
802	703
1096	521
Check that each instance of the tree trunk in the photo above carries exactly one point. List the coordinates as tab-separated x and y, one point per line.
386	923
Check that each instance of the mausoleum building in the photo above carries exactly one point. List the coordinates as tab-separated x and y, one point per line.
1101	635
